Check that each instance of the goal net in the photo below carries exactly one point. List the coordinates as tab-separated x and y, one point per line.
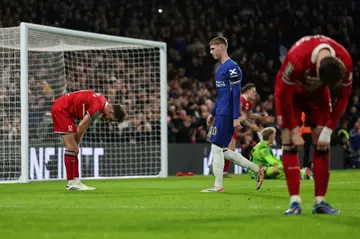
39	64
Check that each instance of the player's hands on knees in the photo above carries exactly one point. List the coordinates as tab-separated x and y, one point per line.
323	143
296	138
210	120
322	146
237	125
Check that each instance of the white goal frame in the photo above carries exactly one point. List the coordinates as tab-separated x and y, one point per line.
24	29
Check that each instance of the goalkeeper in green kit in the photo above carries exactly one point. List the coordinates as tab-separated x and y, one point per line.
262	155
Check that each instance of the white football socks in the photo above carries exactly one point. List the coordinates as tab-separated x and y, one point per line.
295	198
319	199
218	165
240	160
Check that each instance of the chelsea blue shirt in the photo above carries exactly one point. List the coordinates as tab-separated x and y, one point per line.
228	86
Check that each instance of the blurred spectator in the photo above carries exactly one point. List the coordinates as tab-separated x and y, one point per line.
355	143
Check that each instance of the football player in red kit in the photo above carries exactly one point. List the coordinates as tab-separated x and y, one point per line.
86	106
248	96
313	65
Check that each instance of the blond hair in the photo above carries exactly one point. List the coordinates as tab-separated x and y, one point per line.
218	41
267	132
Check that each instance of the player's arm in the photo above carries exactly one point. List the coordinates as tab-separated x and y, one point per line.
256	116
249	124
269	157
235	76
93	113
82	127
210	119
343	94
213	110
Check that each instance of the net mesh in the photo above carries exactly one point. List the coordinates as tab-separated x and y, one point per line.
57	64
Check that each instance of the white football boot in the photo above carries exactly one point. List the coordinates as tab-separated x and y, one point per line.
213	190
77	185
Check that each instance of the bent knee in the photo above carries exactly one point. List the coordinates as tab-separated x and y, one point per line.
70	143
289	148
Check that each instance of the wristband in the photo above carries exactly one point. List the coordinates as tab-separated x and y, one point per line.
325	135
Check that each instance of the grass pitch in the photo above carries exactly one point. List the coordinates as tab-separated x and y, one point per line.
174	208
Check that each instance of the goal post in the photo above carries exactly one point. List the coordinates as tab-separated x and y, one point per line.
40	63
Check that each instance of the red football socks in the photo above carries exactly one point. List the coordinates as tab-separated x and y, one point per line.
321	170
76	168
226	166
69	159
292	172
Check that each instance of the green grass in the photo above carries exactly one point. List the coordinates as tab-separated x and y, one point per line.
174	208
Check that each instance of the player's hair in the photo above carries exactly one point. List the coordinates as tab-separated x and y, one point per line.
331	71
218	41
247	87
267	132
119	112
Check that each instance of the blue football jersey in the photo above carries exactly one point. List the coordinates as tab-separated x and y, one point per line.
228	84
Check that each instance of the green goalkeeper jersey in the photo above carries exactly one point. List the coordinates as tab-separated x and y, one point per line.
263	155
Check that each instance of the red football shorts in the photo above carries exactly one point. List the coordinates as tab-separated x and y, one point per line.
315	104
63	122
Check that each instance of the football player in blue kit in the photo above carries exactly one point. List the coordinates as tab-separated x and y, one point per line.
225	116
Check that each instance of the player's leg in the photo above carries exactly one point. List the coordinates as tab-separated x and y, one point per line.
76	171
219	138
321	171
232	147
320	111
65	126
227	162
72	164
240	160
291	166
71	152
290	158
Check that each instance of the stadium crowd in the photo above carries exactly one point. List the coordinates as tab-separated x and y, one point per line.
259	34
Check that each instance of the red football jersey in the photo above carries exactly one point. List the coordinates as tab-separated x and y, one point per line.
298	74
246	105
301	60
83	102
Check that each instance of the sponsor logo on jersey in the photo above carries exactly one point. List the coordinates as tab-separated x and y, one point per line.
220	84
289	69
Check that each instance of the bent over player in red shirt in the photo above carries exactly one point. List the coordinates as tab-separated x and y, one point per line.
85	105
312	65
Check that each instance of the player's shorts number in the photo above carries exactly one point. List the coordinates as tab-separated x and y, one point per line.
214	130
